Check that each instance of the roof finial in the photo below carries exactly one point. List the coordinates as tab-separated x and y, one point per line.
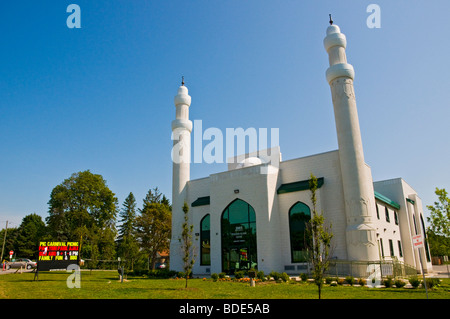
182	80
331	21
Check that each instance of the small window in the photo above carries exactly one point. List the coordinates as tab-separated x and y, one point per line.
378	212
381	246
387	214
400	251
395	217
391	247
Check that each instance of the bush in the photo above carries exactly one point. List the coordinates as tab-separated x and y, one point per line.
222	275
260	275
303	276
388	282
414	281
399	283
362	282
238	274
432	282
214	277
350	280
285	277
328	280
275	275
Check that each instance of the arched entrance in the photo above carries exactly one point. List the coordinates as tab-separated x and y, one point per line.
238	226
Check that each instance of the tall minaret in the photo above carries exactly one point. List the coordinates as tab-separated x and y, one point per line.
181	156
356	176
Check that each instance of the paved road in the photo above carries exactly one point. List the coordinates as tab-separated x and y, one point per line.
11	271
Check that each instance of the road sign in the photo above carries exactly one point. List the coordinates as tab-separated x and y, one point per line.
11	253
418	241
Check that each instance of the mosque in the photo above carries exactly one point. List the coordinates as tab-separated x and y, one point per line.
253	215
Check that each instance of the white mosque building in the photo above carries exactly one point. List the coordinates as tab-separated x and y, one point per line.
254	214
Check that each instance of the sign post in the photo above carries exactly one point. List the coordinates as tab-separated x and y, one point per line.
418	243
11	253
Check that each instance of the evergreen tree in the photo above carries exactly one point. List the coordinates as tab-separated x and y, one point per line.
127	245
30	232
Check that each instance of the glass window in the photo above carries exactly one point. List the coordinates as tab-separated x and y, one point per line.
382	248
395	217
387	214
391	247
238	237
299	216
205	236
400	251
378	213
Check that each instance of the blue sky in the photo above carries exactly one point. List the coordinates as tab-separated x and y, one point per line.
101	97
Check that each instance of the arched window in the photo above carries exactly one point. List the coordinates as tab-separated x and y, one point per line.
239	237
299	216
205	237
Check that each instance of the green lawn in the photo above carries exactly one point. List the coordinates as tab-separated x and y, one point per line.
105	285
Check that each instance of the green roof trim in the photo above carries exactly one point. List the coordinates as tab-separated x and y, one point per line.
386	200
298	186
201	201
410	200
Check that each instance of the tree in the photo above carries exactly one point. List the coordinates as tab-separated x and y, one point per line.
154	226
439	220
127	246
186	244
438	231
83	208
320	240
29	233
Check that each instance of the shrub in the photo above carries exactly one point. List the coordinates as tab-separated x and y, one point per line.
275	275
285	277
214	277
432	282
350	280
238	274
222	275
328	280
260	275
388	282
362	282
399	283
303	276
414	281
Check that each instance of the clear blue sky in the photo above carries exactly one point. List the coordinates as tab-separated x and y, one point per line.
101	97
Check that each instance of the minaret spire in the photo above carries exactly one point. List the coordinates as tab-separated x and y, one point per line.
331	21
181	156
356	176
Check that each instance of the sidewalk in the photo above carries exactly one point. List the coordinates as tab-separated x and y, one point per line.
440	271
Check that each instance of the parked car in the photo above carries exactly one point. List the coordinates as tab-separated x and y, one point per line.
160	266
21	262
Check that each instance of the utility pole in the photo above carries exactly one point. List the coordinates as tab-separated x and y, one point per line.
4	240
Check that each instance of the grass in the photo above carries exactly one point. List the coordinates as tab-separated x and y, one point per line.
105	285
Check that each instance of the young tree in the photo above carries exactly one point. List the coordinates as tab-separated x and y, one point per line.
187	245
439	220
438	231
320	239
154	226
